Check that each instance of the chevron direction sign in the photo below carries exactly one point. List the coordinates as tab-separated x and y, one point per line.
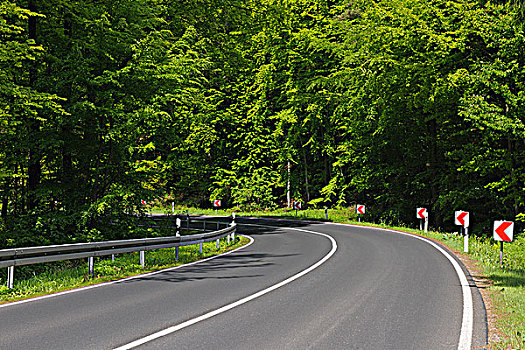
462	218
503	231
217	203
297	205
422	213
360	209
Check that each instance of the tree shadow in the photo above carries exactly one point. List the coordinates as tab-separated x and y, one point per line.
221	268
275	223
508	278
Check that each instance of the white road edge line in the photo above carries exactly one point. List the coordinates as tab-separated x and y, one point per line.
467	325
180	326
125	279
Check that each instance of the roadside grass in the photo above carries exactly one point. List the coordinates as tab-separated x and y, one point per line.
42	279
507	281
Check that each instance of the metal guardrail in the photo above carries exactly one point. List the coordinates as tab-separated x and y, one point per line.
36	255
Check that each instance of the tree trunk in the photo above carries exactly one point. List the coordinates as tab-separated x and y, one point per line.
306	184
34	171
288	194
5	199
67	135
432	168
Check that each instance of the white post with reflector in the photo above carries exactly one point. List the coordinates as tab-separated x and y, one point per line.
462	218
422	214
503	232
178	224
10	276
142	258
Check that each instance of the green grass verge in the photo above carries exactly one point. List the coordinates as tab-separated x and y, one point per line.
31	281
508	281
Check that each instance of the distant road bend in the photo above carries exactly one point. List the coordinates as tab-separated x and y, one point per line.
298	286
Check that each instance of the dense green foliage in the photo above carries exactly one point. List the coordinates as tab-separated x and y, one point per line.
395	104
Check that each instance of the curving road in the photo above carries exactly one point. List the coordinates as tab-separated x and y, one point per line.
346	288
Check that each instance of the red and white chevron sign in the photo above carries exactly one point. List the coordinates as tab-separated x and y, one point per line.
217	203
143	202
503	231
462	218
360	209
422	213
297	205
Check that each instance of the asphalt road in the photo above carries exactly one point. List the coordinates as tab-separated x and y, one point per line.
379	290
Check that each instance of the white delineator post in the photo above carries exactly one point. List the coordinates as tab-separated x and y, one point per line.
465	241
177	234
233	223
91	266
10	276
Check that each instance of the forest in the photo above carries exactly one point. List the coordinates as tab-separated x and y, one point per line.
396	104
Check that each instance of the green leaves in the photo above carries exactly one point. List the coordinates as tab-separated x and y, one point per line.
391	103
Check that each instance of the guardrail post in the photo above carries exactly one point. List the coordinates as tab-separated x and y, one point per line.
200	247
176	253
142	258
228	238
204	225
112	257
188	219
91	266
10	276
218	243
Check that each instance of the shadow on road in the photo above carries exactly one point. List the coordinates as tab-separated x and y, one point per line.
220	268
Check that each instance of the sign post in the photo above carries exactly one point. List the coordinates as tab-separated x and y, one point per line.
360	210
503	232
326	213
216	204
297	206
422	214
462	218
